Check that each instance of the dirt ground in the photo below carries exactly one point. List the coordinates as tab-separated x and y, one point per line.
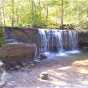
60	70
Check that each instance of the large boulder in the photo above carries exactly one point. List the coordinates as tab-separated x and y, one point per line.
17	52
33	37
25	35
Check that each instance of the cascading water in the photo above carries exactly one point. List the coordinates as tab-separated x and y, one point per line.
43	47
50	40
73	40
55	42
58	40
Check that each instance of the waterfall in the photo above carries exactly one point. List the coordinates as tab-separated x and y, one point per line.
55	41
58	40
73	40
50	40
43	40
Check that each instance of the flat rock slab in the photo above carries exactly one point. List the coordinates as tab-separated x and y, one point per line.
81	66
16	52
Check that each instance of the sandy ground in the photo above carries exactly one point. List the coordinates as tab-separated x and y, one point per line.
60	70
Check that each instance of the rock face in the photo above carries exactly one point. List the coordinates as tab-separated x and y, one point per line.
24	35
33	37
17	52
83	39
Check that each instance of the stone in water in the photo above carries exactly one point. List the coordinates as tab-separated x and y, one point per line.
44	76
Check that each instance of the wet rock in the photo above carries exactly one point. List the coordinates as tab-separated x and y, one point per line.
44	76
42	56
83	40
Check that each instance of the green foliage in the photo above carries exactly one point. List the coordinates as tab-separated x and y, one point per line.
44	13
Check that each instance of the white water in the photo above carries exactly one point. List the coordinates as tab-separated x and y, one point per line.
60	39
43	40
55	39
52	40
3	74
73	40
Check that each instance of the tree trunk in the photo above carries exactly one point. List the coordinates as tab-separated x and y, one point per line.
32	12
62	14
13	19
3	16
47	13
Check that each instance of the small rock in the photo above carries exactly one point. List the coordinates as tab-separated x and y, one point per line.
44	76
37	60
17	66
42	56
24	64
32	64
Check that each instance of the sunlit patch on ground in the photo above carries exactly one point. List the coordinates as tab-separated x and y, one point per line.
81	66
85	82
69	76
64	68
57	76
